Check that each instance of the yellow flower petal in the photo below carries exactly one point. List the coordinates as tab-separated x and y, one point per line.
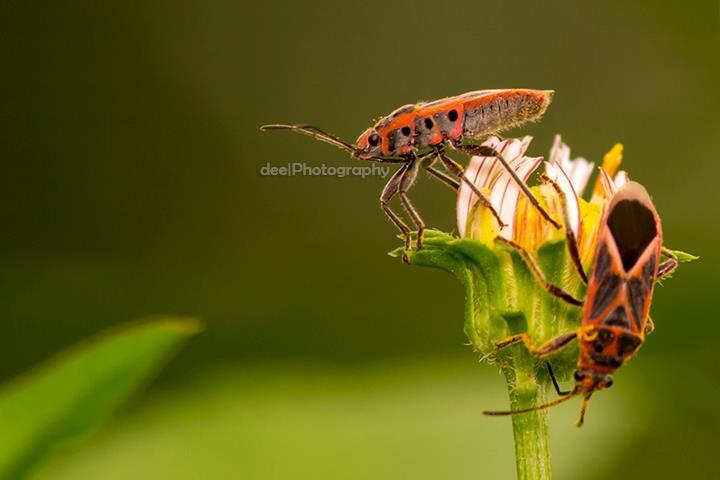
611	162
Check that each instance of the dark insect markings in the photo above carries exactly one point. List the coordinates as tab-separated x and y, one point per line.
606	292
627	344
636	297
633	227
639	289
601	348
603	339
618	318
648	273
602	263
601	343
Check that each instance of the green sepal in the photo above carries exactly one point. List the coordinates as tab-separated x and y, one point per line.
682	257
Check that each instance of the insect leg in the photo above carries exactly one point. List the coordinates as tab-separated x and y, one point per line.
668	266
453	167
443	177
569	234
649	326
406	181
486	151
535	269
547	348
392	187
555	383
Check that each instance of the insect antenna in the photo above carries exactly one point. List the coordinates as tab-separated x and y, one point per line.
315	133
585	402
531	409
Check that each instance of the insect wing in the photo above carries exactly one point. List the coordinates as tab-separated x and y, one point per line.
625	264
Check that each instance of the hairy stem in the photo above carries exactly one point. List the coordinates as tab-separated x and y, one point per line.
530	430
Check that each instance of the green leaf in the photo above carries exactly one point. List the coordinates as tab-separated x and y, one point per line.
682	257
71	394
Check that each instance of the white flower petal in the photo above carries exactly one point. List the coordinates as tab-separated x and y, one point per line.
557	174
560	152
511	193
578	170
580	174
489	174
513	149
621	178
479	172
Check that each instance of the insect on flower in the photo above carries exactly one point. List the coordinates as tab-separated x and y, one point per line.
416	136
615	320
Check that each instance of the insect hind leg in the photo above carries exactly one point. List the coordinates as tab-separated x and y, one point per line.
668	266
649	326
572	243
486	151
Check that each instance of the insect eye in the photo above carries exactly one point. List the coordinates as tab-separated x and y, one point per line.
374	140
608	381
579	376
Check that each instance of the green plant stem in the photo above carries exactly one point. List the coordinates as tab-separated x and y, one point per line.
530	430
502	298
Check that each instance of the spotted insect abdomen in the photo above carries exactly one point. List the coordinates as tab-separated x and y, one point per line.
493	112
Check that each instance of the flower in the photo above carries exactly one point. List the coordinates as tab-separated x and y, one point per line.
489	176
505	294
524	225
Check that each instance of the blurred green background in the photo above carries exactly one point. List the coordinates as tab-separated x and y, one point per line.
131	186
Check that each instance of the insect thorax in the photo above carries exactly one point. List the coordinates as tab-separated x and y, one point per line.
607	348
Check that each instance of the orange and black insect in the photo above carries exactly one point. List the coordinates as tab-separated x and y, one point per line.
416	136
615	316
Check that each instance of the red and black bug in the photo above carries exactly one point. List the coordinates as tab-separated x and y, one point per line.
416	136
615	311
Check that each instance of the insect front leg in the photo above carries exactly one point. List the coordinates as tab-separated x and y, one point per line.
664	269
391	188
553	290
406	181
547	348
485	151
453	167
560	392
